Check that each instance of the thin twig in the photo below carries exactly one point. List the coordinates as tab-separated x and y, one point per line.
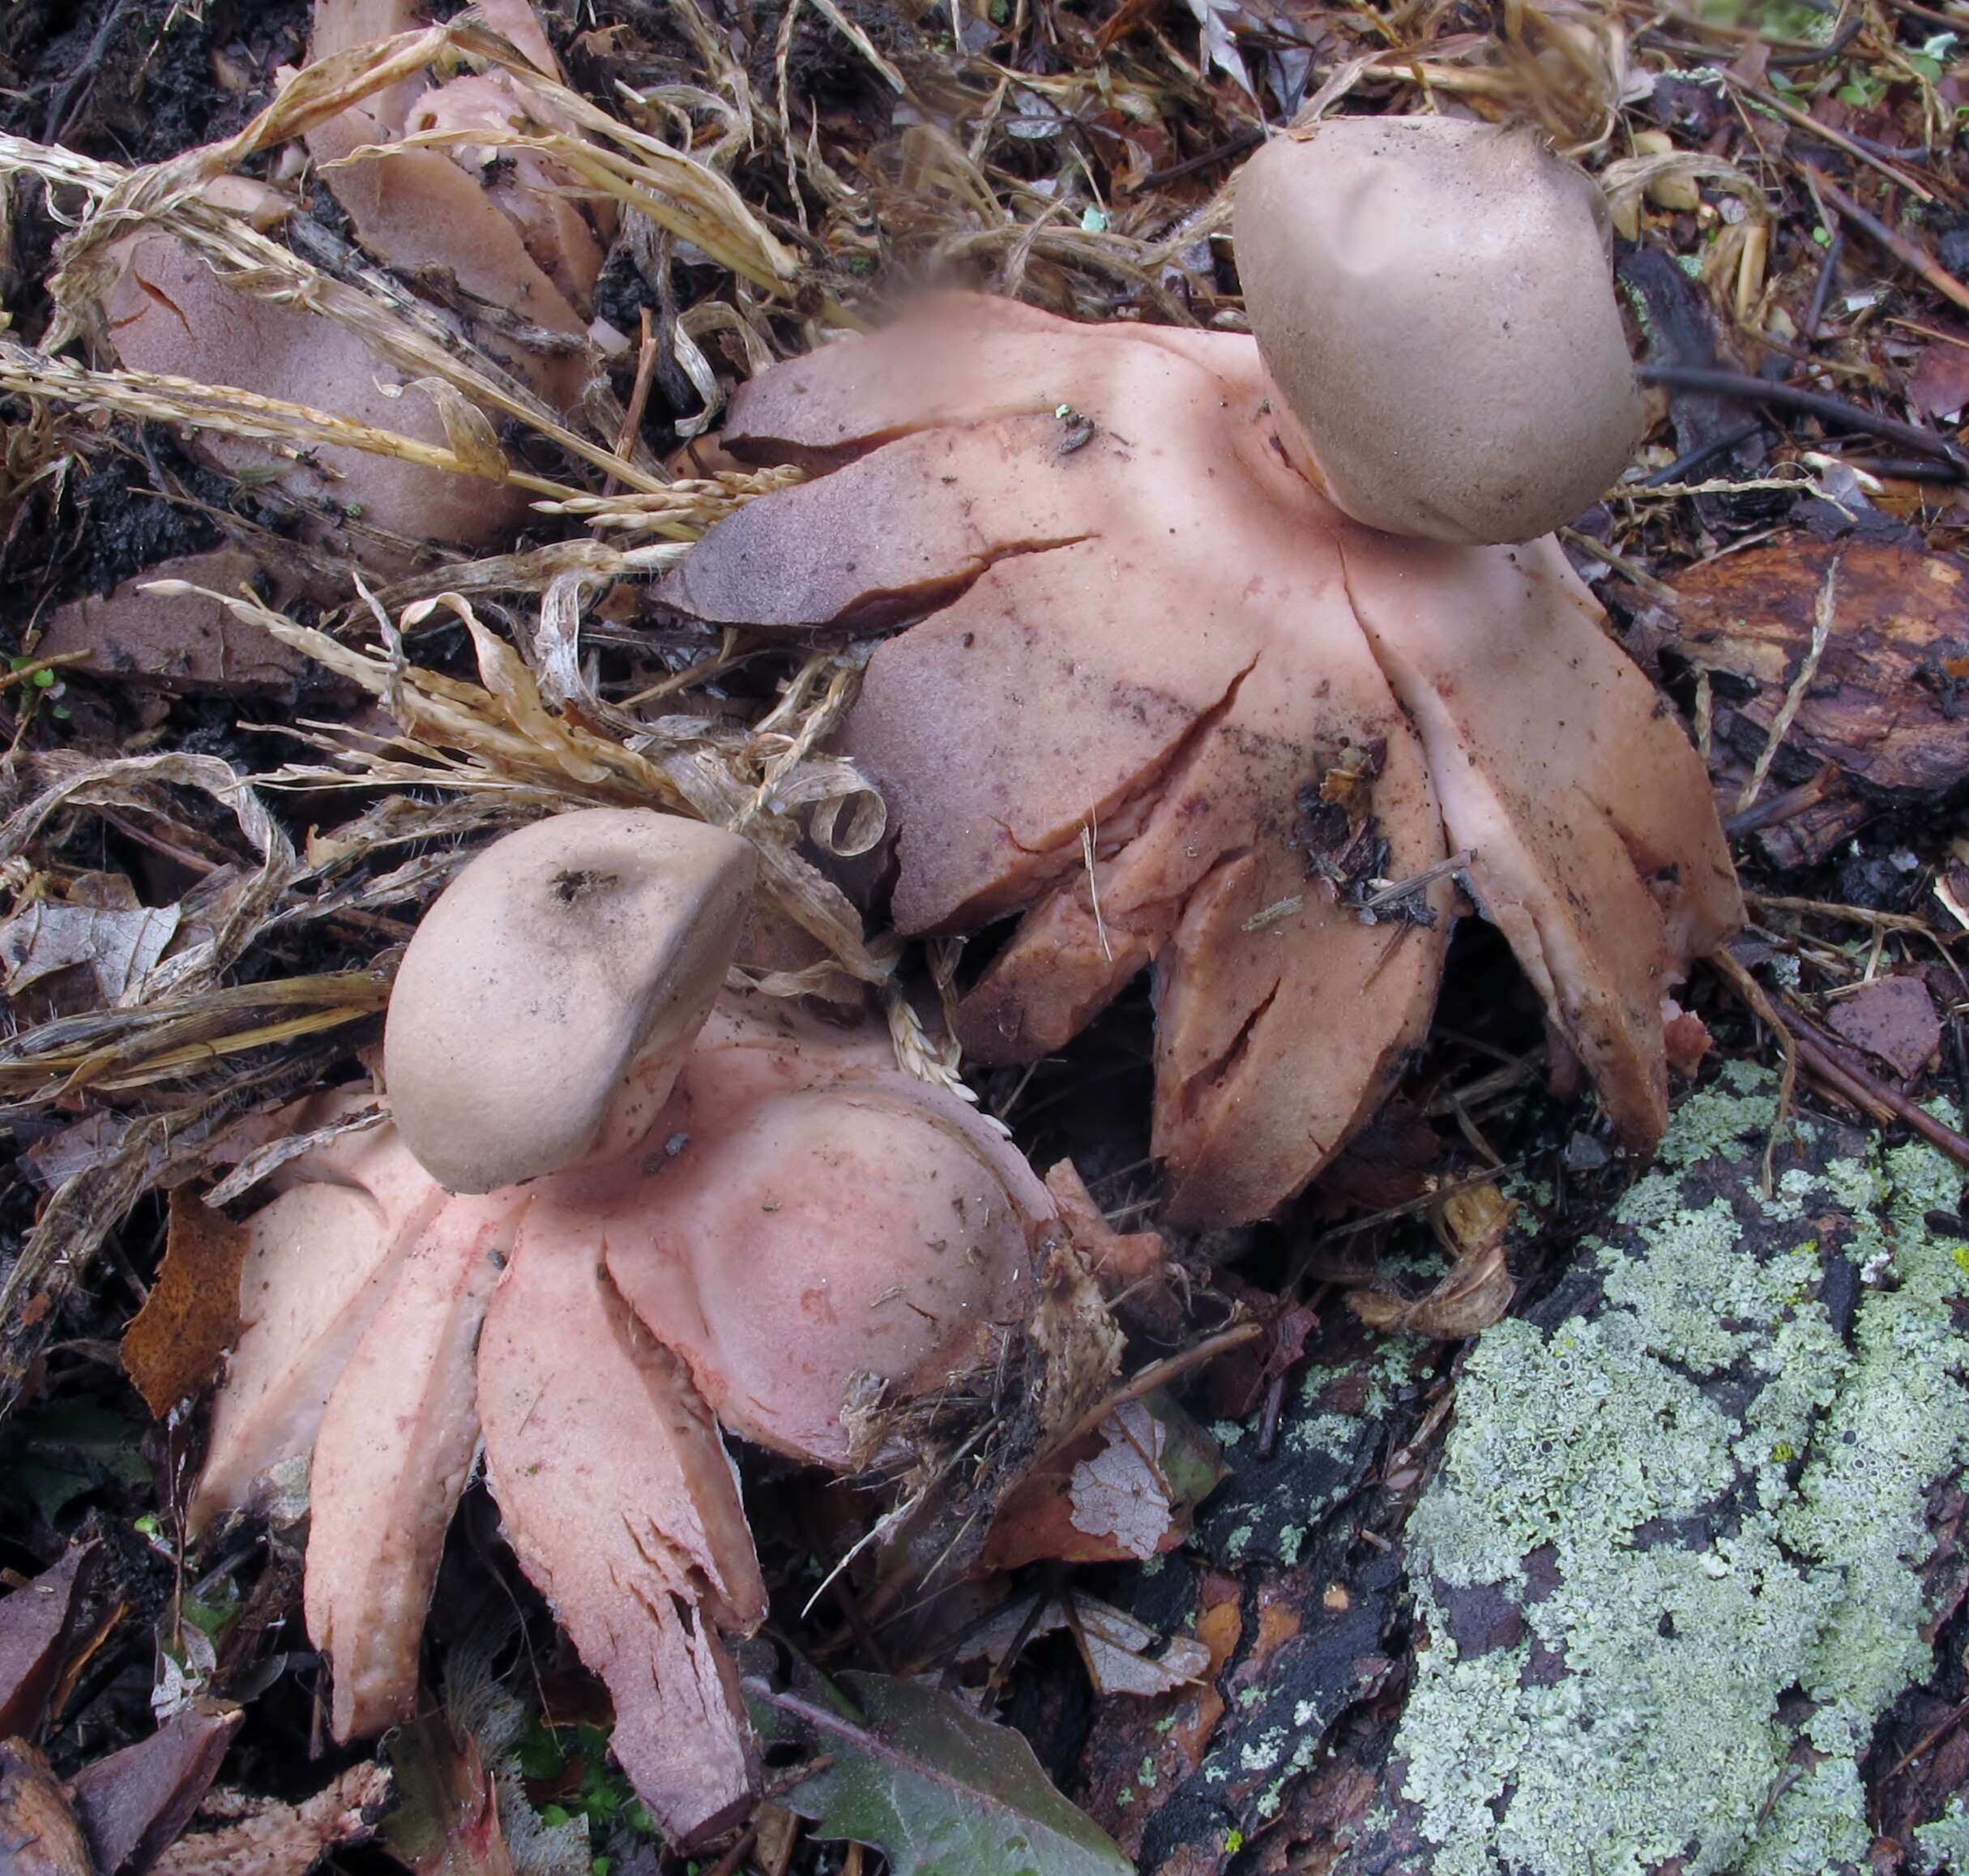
21	674
1910	255
1780	724
640	393
1853	915
1931	1738
1833	1062
1815	320
1761	1006
1826	134
1818	404
1160	1375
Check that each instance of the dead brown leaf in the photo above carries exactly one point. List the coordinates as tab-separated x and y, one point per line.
1939	383
119	944
134	1803
173	1345
1475	1220
1122	1656
1893	1017
1129	1486
37	1631
1121	1491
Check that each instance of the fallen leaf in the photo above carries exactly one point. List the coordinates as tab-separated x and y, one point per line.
1241	1379
38	1835
48	1457
1122	1655
914	1773
1473	1295
1939	384
1887	701
1121	1491
37	1629
1893	1017
264	1837
184	642
1068	1505
1219	47
1476	1218
174	1343
134	1803
119	945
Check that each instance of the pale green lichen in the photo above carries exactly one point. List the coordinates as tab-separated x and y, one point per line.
1944	1845
1699	1572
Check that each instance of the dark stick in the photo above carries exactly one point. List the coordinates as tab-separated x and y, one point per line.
59	107
1842	1070
1910	253
1783	807
1815	320
1818	404
1223	153
1690	460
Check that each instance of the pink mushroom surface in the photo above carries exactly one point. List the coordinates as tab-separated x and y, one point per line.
806	1235
514	237
1156	696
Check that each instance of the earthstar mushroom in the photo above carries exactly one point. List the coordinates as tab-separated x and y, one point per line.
1141	683
782	1232
1432	297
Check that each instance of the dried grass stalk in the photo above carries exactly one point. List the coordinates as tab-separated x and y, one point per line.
231	411
501	732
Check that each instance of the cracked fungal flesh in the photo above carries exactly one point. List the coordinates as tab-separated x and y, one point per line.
1136	633
805	1238
504	224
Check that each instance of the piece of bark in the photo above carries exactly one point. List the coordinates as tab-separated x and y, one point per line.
1887	702
264	1838
182	644
38	1835
1892	1018
132	1804
37	1626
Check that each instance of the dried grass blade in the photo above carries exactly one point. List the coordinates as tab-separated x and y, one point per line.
246	414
